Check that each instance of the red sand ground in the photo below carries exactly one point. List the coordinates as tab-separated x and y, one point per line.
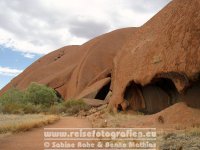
33	140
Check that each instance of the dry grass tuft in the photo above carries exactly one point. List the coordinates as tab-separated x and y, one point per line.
18	123
194	132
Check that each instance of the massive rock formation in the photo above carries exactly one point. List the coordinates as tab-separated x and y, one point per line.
162	59
76	71
147	68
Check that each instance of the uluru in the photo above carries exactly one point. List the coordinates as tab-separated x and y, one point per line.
143	80
147	68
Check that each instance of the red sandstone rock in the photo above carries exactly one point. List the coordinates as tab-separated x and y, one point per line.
163	54
71	70
166	47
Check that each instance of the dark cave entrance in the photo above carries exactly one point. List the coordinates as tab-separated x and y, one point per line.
151	98
103	92
133	95
119	108
159	94
192	94
168	86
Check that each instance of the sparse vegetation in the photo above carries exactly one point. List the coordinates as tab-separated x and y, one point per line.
18	123
176	140
105	118
74	106
57	108
38	98
10	102
194	132
20	108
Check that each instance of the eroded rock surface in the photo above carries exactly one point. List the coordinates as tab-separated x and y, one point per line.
161	59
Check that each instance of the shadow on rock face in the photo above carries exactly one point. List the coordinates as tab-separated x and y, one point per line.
152	98
192	94
103	92
159	94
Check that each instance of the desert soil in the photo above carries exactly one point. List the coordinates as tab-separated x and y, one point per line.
33	140
175	130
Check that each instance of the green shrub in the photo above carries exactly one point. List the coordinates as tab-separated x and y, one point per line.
69	107
10	102
57	108
32	109
74	106
13	95
38	98
40	95
11	108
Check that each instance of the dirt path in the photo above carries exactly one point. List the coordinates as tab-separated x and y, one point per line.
33	140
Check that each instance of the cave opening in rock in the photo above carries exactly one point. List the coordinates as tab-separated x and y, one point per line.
103	92
133	95
168	86
192	93
159	94
119	108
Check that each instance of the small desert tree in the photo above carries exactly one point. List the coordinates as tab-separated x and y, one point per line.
10	102
12	95
40	95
